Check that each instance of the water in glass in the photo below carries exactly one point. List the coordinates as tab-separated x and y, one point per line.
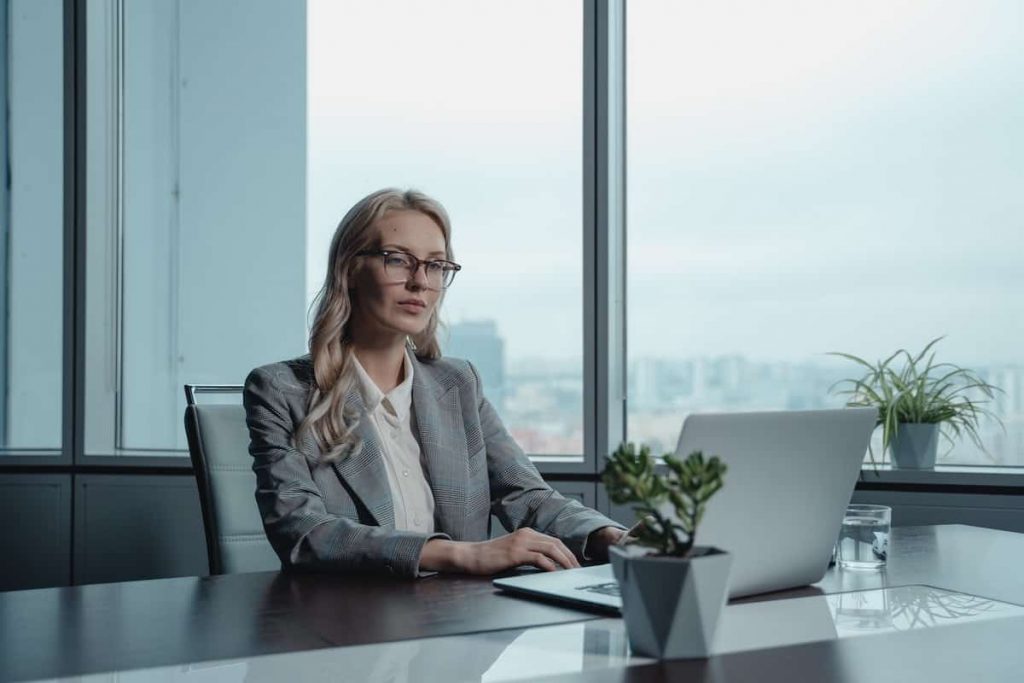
863	542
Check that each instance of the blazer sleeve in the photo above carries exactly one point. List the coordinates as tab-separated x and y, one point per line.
299	527
519	495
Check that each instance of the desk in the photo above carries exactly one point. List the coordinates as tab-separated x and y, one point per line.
349	628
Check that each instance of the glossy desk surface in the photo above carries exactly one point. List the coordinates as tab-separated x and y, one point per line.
952	612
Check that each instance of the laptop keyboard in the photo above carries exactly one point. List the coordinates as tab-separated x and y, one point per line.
611	588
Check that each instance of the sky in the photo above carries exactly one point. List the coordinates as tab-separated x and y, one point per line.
803	177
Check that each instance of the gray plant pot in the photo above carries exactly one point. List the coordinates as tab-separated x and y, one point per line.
914	446
671	605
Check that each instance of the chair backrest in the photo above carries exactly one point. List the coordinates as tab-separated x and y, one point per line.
218	442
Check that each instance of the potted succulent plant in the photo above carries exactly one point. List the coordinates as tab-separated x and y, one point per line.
672	590
917	400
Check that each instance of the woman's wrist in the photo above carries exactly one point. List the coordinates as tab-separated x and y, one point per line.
441	555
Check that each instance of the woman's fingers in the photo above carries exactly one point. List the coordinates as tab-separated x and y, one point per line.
543	561
557	551
553	549
527	546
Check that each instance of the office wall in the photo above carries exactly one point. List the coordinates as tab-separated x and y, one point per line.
137	527
35	530
994	511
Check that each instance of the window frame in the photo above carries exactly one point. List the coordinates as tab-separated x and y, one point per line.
604	273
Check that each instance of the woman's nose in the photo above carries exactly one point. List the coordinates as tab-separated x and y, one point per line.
418	278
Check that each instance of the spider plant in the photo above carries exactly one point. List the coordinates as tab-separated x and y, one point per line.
914	389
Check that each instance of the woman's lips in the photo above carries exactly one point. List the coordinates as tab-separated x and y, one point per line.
413	306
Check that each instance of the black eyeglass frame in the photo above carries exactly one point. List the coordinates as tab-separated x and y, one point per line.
448	266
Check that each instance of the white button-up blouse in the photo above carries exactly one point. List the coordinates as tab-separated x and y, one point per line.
391	415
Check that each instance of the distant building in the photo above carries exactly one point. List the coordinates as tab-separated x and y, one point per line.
644	385
1009	400
658	384
478	342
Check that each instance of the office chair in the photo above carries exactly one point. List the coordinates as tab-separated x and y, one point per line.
218	442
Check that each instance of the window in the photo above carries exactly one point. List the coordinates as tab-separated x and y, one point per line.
196	207
31	227
480	106
222	160
802	179
810	177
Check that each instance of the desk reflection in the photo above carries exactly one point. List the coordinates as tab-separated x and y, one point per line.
483	657
442	659
593	645
910	607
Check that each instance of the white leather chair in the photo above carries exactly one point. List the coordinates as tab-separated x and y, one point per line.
218	442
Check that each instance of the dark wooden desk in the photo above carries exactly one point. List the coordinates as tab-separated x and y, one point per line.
89	629
54	632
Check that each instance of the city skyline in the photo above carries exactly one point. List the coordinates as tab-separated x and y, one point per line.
542	400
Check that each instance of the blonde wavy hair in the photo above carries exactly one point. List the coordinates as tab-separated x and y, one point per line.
332	423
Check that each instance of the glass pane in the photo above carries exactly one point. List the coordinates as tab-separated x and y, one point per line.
31	210
814	177
197	207
479	105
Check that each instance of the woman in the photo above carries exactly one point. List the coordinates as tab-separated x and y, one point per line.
374	453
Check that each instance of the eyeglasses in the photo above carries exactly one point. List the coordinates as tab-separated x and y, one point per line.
401	267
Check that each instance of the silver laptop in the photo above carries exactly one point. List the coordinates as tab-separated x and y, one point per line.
790	477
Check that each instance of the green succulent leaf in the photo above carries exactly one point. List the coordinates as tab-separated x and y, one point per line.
630	477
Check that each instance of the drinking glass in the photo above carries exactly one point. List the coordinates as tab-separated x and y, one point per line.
864	536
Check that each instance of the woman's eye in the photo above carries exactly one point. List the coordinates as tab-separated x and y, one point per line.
397	261
435	267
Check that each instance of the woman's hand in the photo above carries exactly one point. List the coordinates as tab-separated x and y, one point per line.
522	547
599	541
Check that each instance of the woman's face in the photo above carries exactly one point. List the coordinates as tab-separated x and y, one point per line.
386	301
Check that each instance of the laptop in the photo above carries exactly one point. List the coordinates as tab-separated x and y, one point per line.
790	476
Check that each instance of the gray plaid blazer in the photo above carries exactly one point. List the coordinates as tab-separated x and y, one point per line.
340	516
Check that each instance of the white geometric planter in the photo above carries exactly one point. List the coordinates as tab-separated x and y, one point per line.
671	605
914	446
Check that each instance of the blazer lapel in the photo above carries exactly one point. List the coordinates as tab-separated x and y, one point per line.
443	441
364	472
